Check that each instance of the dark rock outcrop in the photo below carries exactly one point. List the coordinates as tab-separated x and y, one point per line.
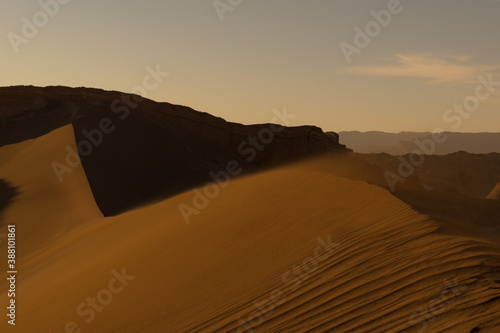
154	150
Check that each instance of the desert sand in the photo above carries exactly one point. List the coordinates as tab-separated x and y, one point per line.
45	209
293	249
495	193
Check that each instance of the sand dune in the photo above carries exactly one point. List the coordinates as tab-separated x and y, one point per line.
318	253
495	193
309	247
44	208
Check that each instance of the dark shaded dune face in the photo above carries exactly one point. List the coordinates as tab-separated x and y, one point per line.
149	156
7	193
140	161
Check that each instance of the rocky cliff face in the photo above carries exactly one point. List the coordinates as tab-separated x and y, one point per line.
136	150
27	112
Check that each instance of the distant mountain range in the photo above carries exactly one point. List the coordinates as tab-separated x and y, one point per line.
407	142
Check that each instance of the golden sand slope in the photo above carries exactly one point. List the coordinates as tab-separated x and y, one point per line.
495	193
289	250
45	208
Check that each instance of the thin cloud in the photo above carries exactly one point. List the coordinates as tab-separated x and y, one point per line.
449	69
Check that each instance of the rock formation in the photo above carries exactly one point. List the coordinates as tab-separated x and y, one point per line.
174	148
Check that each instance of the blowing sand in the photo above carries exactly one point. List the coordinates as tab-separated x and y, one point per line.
295	249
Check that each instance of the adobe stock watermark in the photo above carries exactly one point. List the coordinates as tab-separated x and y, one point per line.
89	308
428	314
454	116
120	106
372	29
31	27
249	149
292	279
224	6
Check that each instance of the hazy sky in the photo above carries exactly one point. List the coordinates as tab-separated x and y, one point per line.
267	54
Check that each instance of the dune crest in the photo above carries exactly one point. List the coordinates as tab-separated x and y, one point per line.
263	265
45	209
